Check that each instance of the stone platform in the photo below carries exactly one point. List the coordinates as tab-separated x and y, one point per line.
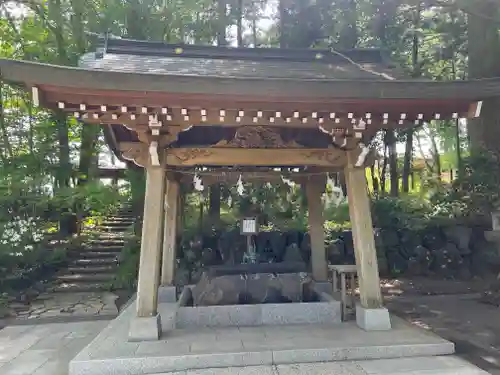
445	365
203	348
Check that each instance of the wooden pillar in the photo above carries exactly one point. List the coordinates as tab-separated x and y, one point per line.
170	233
362	233
314	191
150	258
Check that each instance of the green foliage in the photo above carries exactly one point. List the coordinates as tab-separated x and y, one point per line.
475	193
126	276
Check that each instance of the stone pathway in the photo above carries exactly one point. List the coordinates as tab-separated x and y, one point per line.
47	349
44	349
67	306
473	326
81	291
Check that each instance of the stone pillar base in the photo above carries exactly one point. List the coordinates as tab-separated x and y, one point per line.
145	329
373	319
167	294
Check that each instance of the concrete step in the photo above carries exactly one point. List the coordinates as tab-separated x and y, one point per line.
94	262
92	269
80	287
86	278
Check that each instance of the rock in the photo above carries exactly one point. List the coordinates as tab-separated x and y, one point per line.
419	264
273	295
292	285
17	306
346	237
196	275
396	263
256	288
291	237
182	276
390	238
460	236
219	291
383	265
292	254
209	257
305	247
447	260
335	251
433	239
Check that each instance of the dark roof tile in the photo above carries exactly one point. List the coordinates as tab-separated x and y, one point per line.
197	66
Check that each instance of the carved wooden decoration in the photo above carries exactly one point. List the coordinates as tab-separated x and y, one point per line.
326	156
210	156
257	137
135	152
254	157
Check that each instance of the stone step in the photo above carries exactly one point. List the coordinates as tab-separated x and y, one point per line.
106	242
113	249
117	223
107	236
86	278
93	269
99	254
94	262
114	229
80	287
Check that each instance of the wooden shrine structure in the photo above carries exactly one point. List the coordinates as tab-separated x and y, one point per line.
174	108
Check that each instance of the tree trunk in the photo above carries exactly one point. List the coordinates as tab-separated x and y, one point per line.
437	158
374	180
282	24
135	20
239	23
65	169
383	173
393	162
88	153
6	147
459	149
214	205
484	62
407	161
348	37
221	22
416	73
255	37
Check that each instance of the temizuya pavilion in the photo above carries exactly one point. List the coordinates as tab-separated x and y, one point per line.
171	108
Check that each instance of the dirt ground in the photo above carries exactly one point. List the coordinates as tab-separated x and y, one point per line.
454	310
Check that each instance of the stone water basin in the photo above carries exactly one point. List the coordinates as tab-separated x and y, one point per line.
255	300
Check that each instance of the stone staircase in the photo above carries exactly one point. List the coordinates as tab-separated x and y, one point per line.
93	266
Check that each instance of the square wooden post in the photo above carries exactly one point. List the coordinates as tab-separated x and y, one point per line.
147	325
370	314
314	191
170	233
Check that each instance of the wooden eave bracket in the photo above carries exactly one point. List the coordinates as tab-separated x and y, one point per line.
365	150
475	109
35	96
155	127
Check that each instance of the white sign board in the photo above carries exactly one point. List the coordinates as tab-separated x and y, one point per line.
249	225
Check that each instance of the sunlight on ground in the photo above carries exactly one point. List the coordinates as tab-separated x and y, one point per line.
491	360
421	324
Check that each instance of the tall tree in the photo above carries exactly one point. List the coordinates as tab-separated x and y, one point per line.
484	62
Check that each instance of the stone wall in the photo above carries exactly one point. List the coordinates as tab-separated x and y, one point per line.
451	251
